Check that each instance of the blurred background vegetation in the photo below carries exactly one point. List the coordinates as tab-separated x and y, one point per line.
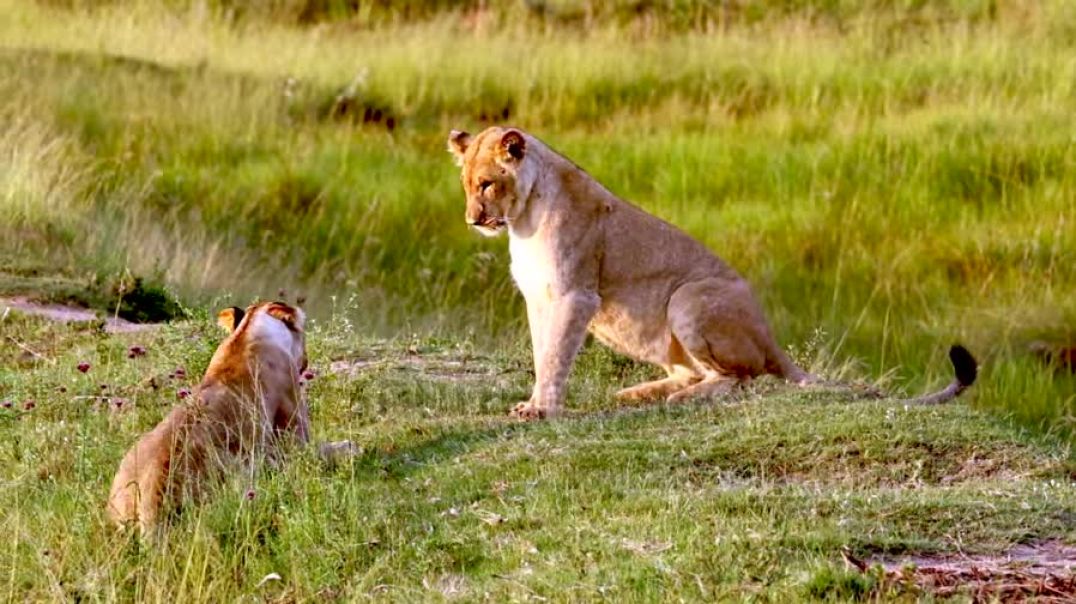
892	176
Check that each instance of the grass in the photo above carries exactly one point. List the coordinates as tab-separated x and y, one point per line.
891	176
451	500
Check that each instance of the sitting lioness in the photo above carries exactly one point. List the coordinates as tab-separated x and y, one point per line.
249	398
583	258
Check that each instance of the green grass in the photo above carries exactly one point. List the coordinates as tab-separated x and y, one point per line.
891	176
450	500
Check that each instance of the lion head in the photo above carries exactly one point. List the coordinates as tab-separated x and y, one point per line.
495	176
291	338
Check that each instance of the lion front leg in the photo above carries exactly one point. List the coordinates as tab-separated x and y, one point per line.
536	317
563	330
536	324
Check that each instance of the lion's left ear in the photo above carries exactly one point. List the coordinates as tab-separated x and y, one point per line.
229	318
514	144
458	141
291	316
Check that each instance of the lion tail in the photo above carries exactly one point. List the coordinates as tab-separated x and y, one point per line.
965	368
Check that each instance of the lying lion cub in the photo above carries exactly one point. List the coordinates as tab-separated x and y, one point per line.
583	258
250	396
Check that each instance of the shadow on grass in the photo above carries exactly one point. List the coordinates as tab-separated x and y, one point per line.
398	462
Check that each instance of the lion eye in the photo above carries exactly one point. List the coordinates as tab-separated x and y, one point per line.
485	184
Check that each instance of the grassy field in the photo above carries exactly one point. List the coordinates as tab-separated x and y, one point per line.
751	499
891	176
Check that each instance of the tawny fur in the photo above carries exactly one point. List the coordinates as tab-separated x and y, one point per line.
585	259
249	398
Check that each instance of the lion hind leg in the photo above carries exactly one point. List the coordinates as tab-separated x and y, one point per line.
722	329
137	491
716	331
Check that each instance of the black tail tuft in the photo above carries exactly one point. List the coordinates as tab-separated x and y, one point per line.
965	365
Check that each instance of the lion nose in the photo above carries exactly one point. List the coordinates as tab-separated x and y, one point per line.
476	216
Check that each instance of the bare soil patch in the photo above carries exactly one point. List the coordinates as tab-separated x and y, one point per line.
1043	571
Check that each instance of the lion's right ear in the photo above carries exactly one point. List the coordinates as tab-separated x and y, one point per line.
229	318
458	141
291	316
514	145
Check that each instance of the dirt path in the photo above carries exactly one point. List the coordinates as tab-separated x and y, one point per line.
68	314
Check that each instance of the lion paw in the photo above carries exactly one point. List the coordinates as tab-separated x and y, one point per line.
679	397
528	411
642	392
628	394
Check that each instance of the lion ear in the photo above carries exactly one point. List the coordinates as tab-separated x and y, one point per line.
458	141
514	144
229	318
291	316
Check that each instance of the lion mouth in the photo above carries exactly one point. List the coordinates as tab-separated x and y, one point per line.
490	225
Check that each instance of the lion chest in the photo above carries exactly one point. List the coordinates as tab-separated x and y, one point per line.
533	269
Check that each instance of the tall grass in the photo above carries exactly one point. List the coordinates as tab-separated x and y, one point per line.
890	179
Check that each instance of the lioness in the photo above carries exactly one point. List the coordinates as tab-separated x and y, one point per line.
583	258
250	396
